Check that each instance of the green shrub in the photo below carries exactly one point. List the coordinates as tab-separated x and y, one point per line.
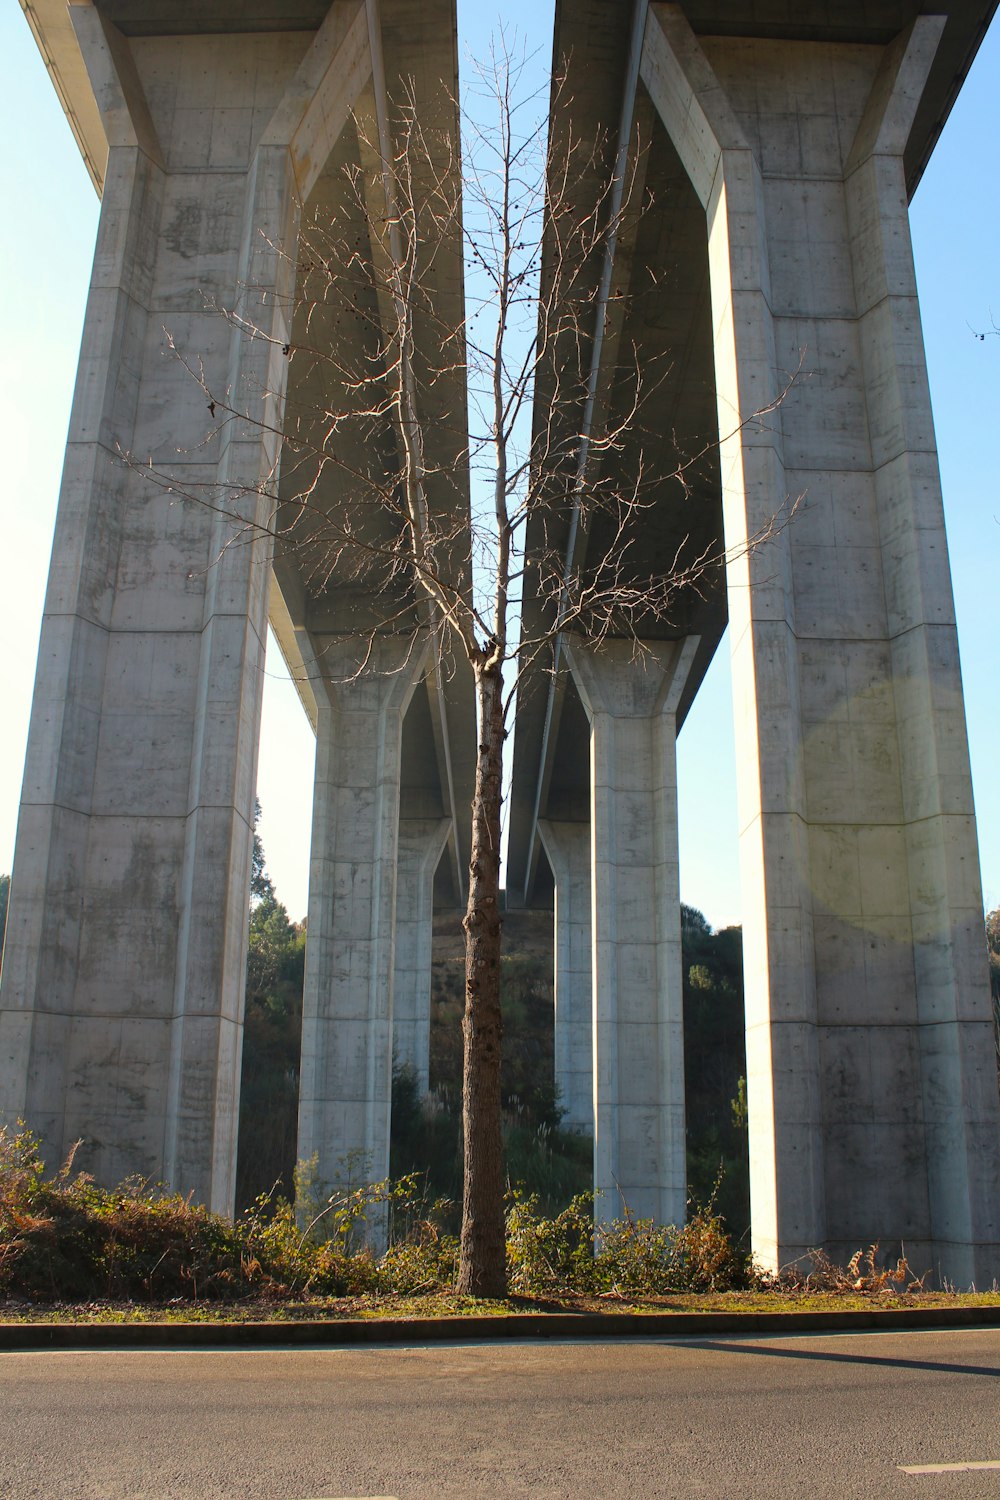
626	1257
549	1256
63	1239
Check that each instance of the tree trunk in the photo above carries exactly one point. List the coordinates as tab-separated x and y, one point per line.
482	1265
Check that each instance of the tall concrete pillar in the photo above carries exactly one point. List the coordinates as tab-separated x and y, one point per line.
567	847
124	970
345	1089
421	844
871	1070
638	1037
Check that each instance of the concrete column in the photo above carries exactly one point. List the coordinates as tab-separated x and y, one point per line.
638	1036
124	971
421	844
938	895
871	1073
346	1080
567	847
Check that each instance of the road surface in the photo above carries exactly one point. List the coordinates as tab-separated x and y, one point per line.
727	1417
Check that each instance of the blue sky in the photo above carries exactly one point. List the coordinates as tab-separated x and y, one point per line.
45	260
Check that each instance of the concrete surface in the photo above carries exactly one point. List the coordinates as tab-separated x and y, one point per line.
420	847
345	1087
125	957
121	1000
871	1073
567	848
638	1022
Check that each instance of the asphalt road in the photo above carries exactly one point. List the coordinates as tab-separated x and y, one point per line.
728	1417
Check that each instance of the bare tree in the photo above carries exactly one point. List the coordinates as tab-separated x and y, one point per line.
403	389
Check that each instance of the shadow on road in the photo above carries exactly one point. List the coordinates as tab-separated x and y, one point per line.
828	1357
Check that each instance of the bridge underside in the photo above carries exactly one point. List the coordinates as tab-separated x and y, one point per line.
763	288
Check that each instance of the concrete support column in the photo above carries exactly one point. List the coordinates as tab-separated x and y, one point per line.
421	844
871	1073
124	971
347	1011
942	894
638	1038
567	847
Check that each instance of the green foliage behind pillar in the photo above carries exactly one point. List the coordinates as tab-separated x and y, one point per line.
269	1093
715	1068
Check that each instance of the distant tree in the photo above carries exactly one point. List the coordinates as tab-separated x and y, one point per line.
426	1137
694	925
993	946
715	1066
272	1031
261	884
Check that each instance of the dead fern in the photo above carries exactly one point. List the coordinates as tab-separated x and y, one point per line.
863	1275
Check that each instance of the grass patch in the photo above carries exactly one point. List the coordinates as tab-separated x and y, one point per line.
444	1304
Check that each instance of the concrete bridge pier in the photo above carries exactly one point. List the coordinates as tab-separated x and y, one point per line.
121	1006
639	1136
871	1067
567	848
209	131
345	1088
421	844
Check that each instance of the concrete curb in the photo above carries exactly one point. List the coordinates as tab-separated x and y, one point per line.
490	1328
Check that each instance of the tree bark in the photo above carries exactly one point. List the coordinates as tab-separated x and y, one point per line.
482	1265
